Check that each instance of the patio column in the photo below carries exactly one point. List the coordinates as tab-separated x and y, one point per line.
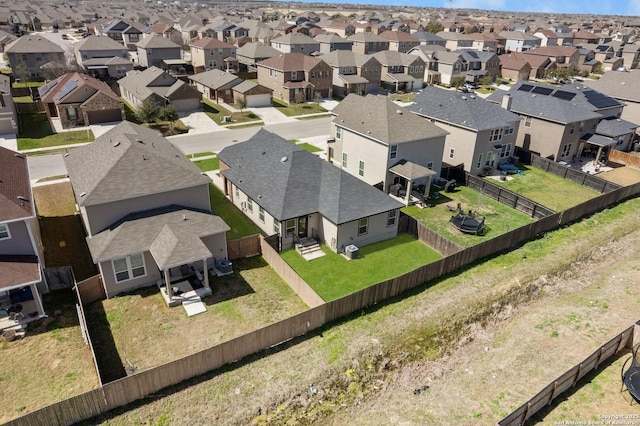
206	273
167	283
407	198
37	299
599	154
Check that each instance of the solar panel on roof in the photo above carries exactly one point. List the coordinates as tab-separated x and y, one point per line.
565	96
66	89
542	90
525	88
599	100
45	89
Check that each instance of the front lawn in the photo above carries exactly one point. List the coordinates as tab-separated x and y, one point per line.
297	109
216	112
208	165
333	276
240	225
37	133
499	218
547	189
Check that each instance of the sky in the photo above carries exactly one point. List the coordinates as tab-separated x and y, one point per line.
606	7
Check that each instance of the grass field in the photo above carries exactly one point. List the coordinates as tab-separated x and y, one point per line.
333	276
208	165
37	133
240	225
297	109
216	112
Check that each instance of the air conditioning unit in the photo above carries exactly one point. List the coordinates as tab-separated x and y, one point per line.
351	251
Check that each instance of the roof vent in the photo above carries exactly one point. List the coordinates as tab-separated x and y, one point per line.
283	159
139	140
82	194
66	154
21	198
399	112
533	96
464	98
623	83
472	96
17	154
117	143
184	216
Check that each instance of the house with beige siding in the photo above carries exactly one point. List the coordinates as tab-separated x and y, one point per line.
154	49
400	71
353	72
29	53
146	210
96	53
295	42
289	192
209	53
368	43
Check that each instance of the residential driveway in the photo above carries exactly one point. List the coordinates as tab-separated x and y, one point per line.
199	122
271	115
328	104
102	128
9	142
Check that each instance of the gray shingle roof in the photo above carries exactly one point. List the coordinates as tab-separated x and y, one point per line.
172	234
257	50
143	84
98	42
620	85
614	127
216	79
379	118
288	181
33	44
156	41
461	109
126	162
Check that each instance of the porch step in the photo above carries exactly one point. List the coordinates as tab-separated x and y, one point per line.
308	248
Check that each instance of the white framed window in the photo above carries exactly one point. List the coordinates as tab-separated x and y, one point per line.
294	75
338	132
4	232
237	192
479	164
489	160
391	218
344	159
128	268
261	214
393	152
290	228
496	135
452	152
361	168
506	150
430	165
276	226
72	113
509	130
527	122
250	204
363	226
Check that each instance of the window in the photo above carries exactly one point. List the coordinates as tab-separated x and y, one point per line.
509	130
276	226
261	214
566	150
479	161
506	150
581	126
496	135
489	160
338	132
250	205
391	218
393	152
344	159
72	114
129	267
430	165
361	168
220	52
452	152
326	74
4	232
294	75
212	64
290	228
572	129
237	192
527	122
363	226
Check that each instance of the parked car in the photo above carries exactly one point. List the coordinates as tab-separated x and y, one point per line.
470	87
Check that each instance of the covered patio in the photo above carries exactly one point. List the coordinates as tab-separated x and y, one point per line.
354	83
398	81
20	301
412	182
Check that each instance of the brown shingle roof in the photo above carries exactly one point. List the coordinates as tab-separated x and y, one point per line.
18	270
290	62
15	189
210	43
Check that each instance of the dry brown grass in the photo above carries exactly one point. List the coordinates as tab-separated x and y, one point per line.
54	200
622	176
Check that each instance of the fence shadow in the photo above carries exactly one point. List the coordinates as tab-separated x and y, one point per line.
62	301
108	360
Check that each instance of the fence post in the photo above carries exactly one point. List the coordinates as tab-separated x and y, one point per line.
553	392
575	379
599	358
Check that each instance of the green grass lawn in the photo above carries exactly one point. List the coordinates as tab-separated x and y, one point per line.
22	100
403	97
297	109
547	189
208	165
499	218
37	133
201	154
28	84
240	225
333	276
216	112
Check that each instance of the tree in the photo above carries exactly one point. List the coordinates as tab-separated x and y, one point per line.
148	111
457	82
485	81
241	103
167	113
434	27
300	96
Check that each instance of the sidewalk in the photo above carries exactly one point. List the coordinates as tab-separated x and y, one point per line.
9	142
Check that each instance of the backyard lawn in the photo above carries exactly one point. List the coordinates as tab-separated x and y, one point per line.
298	109
37	133
333	276
49	364
145	332
238	222
499	218
547	189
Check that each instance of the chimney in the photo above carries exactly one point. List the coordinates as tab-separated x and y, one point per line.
506	102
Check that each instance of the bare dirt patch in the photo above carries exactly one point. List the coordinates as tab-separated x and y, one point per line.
622	176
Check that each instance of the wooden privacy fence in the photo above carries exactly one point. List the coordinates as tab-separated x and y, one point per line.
90	290
625	158
570	378
87	334
441	244
243	247
577	176
29	108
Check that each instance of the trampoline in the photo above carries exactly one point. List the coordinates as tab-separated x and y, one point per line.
468	223
631	377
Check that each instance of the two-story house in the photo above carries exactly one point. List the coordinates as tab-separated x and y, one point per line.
209	53
518	41
480	64
29	53
102	57
166	30
384	144
343	29
451	65
331	42
562	56
485	42
429	54
21	277
481	134
252	53
630	55
547	37
146	210
124	32
155	49
429	39
400	71
514	66
456	40
353	72
368	43
295	77
400	41
295	42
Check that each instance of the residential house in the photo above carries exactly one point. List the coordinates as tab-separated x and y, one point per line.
623	86
343	29
188	25
480	64
295	42
209	53
562	56
5	39
384	145
588	61
230	33
485	42
21	277
8	113
353	72
517	41
295	77
514	66
400	71
216	85
289	192
252	95
583	37
145	208
29	53
547	37
331	42
630	55
155	49
400	41
565	38
80	100
252	53
368	43
456	40
451	65
429	54
160	88
125	32
540	64
95	55
429	39
481	134
165	30
555	119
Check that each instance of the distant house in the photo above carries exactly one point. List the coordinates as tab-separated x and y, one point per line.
368	43
547	37
400	41
209	53
295	42
160	88
456	40
252	53
400	71
429	39
289	192
383	144
343	29
29	53
155	49
630	55
125	32
485	42
481	134
146	210
331	42
518	41
562	56
21	277
80	100
295	77
102	57
353	72
164	30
